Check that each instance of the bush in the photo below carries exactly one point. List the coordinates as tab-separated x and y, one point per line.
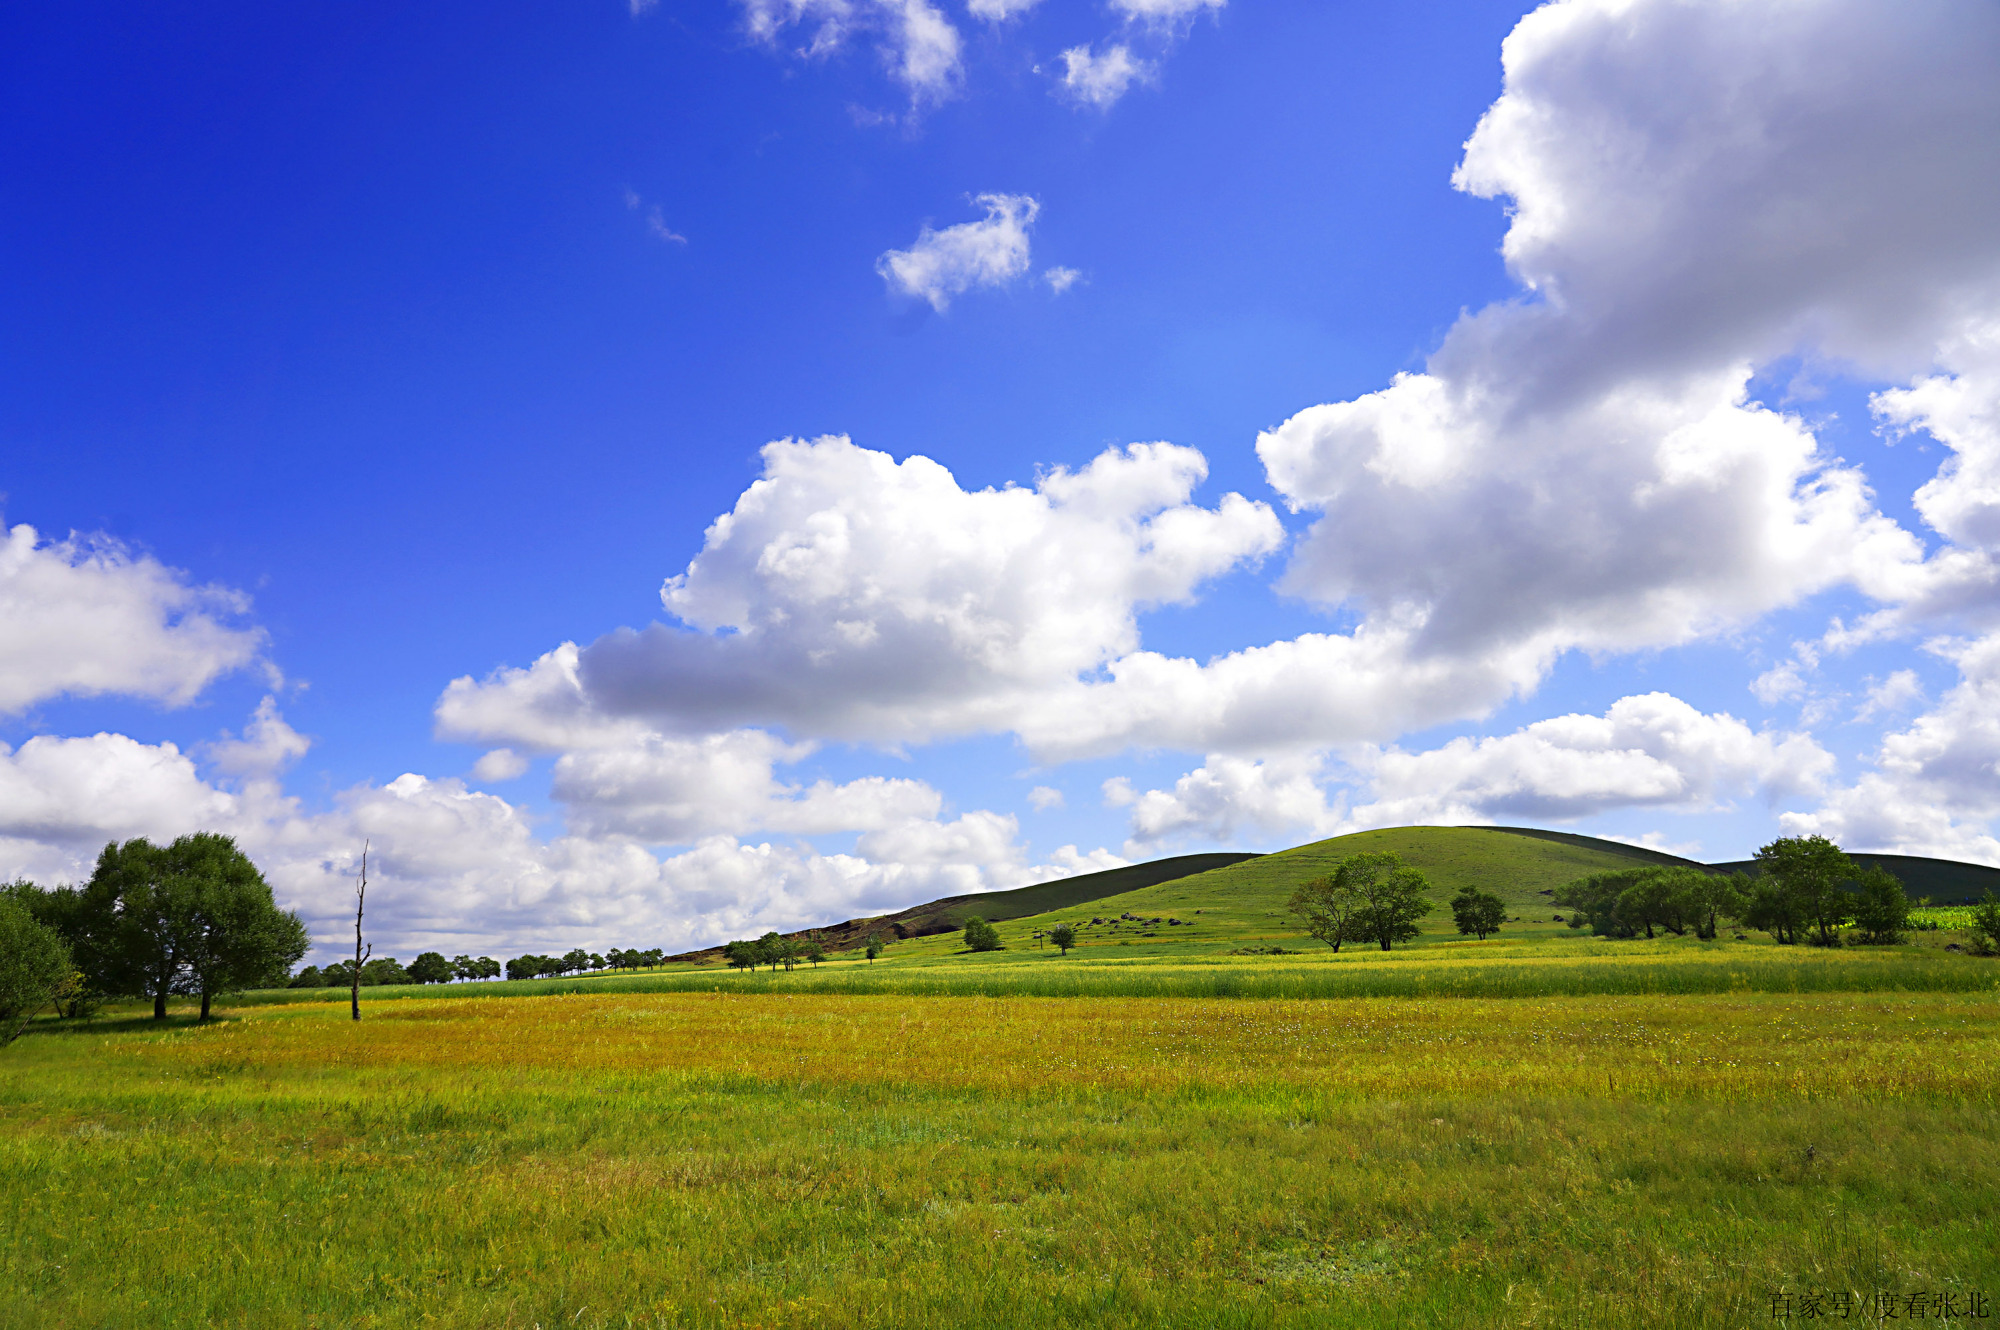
35	967
1986	926
981	936
1883	912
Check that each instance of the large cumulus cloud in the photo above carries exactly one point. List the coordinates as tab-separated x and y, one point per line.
87	617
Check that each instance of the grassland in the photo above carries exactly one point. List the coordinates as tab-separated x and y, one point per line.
1542	1129
802	1160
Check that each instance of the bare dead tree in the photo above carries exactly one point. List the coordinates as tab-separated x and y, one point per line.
360	956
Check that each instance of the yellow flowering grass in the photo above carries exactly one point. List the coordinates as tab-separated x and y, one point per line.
799	1159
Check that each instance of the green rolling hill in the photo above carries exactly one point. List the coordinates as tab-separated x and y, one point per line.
1228	901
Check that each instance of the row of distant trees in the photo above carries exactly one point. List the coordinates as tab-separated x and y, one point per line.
1800	894
1807	889
781	952
431	967
192	918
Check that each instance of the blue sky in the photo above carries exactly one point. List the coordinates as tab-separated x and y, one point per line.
349	352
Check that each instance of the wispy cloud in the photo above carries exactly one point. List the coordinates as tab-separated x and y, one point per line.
1100	80
990	252
656	221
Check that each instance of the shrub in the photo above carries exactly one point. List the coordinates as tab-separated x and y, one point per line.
35	967
981	936
1883	912
1986	926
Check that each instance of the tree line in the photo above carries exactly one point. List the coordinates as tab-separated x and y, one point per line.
1799	894
431	967
191	918
787	953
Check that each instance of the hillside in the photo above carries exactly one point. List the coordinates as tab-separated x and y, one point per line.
949	914
1227	901
1242	903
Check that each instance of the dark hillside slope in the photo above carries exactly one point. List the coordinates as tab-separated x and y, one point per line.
949	915
1942	881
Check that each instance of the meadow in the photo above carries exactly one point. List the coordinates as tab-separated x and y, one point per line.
1157	1129
740	1159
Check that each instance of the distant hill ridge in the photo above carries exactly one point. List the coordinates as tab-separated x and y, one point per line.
1942	881
949	914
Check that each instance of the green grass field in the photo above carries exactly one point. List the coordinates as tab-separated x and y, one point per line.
1543	1129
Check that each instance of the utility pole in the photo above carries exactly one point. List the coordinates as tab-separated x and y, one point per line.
360	956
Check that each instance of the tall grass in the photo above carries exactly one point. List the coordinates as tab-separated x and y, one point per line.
1492	970
793	1159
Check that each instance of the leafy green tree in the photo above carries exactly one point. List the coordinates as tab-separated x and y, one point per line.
236	936
1715	897
431	967
1330	905
487	968
1806	873
1064	937
815	951
310	977
652	957
1883	910
771	950
35	966
145	906
463	967
84	923
874	947
980	935
1594	902
524	967
575	961
741	955
1391	897
1478	913
382	972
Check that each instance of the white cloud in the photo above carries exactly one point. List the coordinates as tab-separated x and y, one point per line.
947	263
1936	787
1695	190
1044	797
1226	797
500	765
82	792
1100	80
1899	692
267	747
457	869
918	43
671	791
805	609
996	11
1164	11
1651	751
1061	279
86	618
